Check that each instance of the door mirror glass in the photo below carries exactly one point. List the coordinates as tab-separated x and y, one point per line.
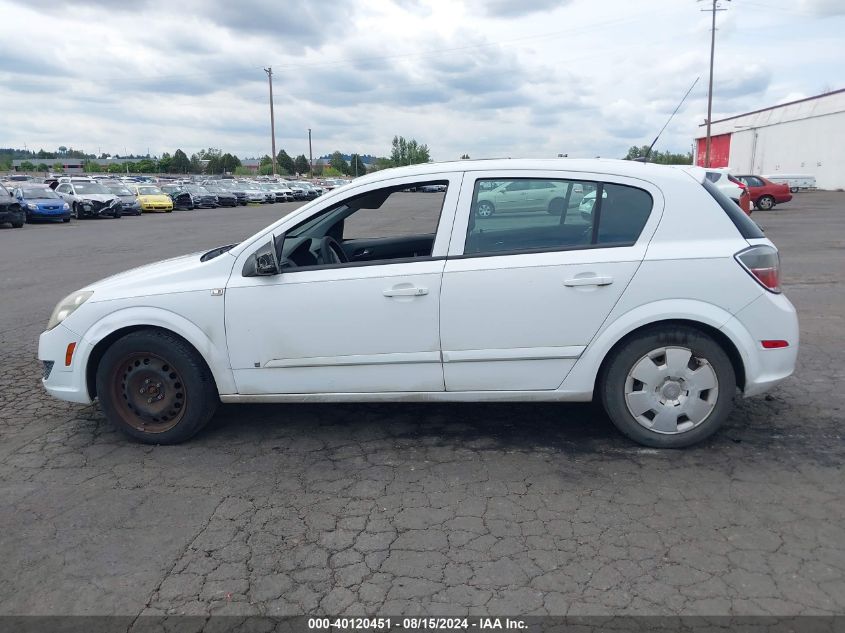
264	262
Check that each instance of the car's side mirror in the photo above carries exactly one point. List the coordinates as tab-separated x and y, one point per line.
263	262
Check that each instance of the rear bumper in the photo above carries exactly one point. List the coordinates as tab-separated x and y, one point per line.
769	317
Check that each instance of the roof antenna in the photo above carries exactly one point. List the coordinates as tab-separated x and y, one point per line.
644	159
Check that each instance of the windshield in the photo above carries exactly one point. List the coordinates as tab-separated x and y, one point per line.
149	191
89	187
119	190
41	194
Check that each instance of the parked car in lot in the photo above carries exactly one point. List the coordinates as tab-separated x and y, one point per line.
127	198
41	203
764	193
201	198
89	199
298	191
255	194
528	195
731	187
282	192
151	198
180	198
309	192
11	211
236	189
796	182
224	198
661	308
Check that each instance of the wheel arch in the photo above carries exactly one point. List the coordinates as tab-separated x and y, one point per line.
716	334
587	373
117	325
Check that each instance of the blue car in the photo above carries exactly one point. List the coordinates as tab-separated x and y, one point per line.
42	203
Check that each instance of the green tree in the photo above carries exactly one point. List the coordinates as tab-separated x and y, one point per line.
383	163
91	167
229	163
57	166
317	170
663	158
240	170
404	152
196	166
356	166
300	165
131	168
285	162
165	162
146	166
338	163
115	168
27	166
180	164
214	165
331	172
42	167
464	156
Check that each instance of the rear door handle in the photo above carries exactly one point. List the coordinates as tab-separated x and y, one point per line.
589	281
406	292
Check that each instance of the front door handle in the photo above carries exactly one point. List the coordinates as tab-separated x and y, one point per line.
589	281
413	291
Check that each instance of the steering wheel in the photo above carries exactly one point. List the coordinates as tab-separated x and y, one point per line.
331	252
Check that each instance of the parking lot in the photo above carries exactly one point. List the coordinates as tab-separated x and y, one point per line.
415	508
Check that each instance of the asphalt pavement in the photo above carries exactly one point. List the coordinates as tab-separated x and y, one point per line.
387	509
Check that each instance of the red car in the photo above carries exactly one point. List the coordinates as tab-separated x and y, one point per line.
764	193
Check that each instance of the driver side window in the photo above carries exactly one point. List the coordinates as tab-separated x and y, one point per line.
396	223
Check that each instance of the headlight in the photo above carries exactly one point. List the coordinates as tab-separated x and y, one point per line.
32	205
66	206
67	306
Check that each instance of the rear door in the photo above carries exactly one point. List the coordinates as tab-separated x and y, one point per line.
523	294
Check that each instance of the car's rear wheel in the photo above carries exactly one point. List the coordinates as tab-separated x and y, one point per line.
155	387
669	387
484	209
765	203
794	189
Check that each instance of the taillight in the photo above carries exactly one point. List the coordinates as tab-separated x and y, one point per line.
763	263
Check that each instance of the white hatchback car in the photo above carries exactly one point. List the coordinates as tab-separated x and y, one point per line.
661	302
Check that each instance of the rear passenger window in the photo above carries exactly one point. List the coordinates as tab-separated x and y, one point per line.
525	214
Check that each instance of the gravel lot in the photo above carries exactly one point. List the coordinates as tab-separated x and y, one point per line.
399	509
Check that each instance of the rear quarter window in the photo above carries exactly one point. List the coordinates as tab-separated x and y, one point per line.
746	226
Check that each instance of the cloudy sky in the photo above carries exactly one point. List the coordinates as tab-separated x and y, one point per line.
485	77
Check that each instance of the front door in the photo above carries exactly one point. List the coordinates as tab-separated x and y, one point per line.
523	294
366	325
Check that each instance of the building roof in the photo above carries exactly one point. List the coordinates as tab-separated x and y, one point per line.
774	107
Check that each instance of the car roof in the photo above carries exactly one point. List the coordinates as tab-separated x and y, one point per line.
609	166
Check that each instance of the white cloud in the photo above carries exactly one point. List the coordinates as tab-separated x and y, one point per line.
486	78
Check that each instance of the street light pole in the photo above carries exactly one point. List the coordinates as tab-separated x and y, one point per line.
269	72
310	156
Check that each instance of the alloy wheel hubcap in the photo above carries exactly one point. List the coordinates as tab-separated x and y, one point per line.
671	390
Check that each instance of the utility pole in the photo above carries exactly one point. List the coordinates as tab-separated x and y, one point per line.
269	72
310	156
715	7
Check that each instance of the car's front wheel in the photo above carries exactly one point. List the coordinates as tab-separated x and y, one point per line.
155	387
669	387
765	203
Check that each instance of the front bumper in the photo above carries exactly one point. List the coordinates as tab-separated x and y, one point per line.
65	382
12	217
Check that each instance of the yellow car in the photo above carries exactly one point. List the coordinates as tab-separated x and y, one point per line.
151	198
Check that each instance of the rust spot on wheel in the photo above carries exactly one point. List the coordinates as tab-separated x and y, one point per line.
149	393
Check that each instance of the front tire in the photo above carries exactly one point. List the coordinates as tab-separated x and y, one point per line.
155	387
669	387
765	203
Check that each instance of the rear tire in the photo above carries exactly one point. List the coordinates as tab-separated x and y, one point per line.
484	209
765	203
668	387
155	387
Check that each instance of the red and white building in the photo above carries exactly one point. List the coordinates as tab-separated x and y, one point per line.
801	137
